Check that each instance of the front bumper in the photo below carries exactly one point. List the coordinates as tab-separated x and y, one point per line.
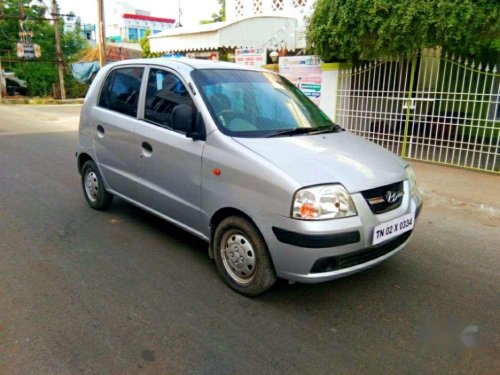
316	251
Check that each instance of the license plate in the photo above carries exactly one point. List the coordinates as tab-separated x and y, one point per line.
393	228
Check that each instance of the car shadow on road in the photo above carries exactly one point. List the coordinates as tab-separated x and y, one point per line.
282	291
157	225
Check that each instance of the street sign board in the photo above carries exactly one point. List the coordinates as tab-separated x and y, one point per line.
305	73
250	56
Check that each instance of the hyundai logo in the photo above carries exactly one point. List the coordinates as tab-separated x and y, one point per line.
393	196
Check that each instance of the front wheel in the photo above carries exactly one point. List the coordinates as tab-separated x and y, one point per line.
93	187
242	256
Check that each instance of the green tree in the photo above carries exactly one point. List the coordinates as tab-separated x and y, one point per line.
144	42
146	47
366	29
9	26
217	17
40	75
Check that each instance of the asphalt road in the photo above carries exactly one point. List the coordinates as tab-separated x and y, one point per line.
122	292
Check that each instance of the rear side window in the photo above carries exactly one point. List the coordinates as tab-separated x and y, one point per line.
121	90
165	91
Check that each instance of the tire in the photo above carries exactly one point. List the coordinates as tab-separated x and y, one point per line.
93	187
242	256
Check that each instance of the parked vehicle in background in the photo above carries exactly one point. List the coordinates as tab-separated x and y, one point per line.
14	85
244	160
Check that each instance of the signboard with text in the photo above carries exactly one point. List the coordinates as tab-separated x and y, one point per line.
305	73
250	56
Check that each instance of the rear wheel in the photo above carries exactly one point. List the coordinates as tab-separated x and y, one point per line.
93	187
242	256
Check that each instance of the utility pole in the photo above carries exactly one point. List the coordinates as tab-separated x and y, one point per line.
1	80
59	56
179	24
102	32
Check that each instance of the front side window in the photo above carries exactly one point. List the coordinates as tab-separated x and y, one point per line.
121	90
248	103
164	92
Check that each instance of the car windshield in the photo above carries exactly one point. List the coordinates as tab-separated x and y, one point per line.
248	103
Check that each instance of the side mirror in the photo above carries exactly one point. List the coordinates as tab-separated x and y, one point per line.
197	133
182	118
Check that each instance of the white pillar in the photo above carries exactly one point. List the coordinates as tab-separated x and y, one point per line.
329	87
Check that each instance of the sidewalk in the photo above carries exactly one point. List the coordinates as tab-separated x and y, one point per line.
40	101
458	188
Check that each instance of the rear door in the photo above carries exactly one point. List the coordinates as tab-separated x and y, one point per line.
170	163
114	121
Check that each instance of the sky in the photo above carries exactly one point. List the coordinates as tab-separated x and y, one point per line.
192	10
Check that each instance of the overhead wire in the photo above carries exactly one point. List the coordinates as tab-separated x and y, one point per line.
5	35
3	31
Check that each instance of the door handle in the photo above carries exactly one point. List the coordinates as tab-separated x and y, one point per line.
100	131
147	149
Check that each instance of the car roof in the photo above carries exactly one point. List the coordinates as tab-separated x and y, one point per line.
187	62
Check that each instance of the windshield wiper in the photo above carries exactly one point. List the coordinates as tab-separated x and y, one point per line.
293	131
309	131
330	129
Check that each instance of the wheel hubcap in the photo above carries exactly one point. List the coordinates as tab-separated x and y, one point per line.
91	186
238	257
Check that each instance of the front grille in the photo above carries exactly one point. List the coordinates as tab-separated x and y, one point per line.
339	262
378	199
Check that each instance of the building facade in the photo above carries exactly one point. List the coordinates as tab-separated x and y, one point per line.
73	23
248	8
127	24
298	9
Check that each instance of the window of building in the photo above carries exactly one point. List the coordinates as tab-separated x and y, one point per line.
133	34
165	91
121	90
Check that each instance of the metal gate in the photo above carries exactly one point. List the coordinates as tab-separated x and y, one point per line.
430	107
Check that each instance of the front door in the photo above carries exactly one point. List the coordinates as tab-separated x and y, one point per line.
170	163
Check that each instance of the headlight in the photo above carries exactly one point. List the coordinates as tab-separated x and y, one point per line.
412	179
323	202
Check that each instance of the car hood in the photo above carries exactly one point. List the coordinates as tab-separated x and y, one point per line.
328	158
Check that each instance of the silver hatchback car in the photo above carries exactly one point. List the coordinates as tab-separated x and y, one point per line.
244	160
